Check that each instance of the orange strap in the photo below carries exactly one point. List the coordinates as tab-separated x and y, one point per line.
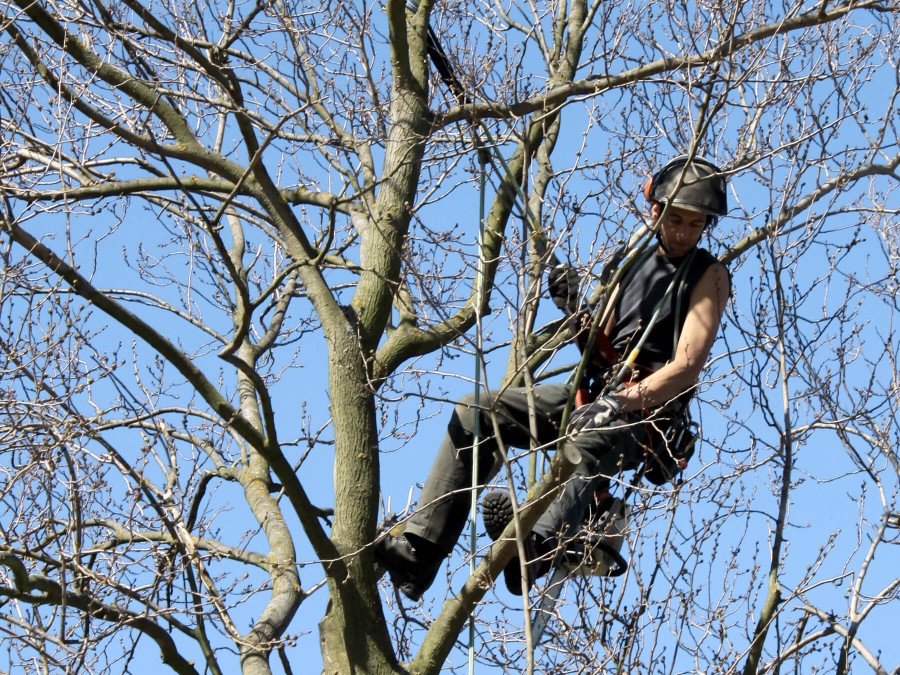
605	353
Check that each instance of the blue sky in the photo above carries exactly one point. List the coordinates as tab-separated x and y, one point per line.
730	498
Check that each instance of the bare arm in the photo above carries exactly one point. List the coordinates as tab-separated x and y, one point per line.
697	336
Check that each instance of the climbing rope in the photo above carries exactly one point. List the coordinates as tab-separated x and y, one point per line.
476	431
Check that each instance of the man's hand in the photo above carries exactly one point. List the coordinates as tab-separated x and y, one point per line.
595	415
562	284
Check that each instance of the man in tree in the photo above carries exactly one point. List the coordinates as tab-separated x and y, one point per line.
664	312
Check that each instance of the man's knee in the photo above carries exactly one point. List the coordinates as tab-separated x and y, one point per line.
606	455
462	419
468	400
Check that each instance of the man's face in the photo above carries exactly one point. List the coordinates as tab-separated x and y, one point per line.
680	229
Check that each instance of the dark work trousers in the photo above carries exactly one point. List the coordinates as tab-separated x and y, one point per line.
445	502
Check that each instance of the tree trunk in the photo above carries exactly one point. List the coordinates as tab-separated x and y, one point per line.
353	633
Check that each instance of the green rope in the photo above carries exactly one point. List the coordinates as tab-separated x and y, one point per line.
476	427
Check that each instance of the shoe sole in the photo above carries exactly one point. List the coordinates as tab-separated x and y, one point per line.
497	513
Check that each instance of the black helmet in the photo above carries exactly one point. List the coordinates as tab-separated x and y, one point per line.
694	184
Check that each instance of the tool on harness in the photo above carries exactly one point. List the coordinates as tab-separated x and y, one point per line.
668	457
596	549
670	438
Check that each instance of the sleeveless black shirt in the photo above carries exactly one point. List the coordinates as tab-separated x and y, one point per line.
640	296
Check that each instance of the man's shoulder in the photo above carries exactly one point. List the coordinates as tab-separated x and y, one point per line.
705	263
711	270
706	258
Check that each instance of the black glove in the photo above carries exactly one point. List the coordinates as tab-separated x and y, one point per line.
562	284
595	415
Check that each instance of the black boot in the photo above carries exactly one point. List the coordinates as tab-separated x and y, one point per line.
497	513
412	562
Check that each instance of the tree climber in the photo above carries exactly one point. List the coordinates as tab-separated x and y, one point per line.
669	304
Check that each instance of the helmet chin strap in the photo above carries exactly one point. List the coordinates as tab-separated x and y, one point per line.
658	223
662	242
